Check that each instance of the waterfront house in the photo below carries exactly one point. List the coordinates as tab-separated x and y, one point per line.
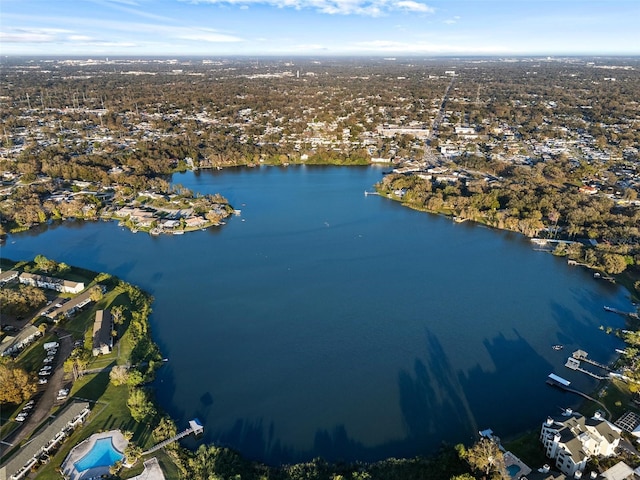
571	439
102	327
51	283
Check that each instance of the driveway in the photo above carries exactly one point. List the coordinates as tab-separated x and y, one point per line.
46	394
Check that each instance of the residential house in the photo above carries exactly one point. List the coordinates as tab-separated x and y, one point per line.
6	277
38	448
51	283
102	327
70	307
571	439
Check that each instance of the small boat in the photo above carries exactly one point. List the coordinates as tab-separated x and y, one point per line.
558	347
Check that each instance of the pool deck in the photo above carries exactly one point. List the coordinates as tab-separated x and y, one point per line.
511	459
68	466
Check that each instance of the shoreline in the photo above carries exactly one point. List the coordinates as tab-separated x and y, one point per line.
447	216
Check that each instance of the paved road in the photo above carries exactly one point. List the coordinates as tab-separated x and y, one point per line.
46	395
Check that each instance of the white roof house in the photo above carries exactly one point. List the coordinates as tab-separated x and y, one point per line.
571	439
51	283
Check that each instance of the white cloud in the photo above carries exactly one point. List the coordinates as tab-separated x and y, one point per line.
451	21
127	32
372	8
412	6
128	7
32	35
79	38
132	3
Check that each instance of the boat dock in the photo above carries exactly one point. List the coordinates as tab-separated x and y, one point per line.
620	312
195	427
548	244
370	193
574	362
556	381
581	355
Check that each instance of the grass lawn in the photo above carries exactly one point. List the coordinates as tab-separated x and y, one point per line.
528	448
108	402
615	396
169	468
110	412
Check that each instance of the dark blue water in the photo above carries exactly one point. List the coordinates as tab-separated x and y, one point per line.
322	322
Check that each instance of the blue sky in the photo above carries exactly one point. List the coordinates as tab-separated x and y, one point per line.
319	27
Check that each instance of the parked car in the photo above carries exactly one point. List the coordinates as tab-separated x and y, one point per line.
21	417
44	373
49	359
42	381
62	393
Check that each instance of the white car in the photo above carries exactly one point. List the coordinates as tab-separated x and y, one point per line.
47	367
42	381
21	417
49	359
44	373
63	393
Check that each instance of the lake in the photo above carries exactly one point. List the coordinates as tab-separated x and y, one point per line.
323	322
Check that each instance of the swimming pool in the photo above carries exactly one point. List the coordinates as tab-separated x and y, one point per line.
102	454
513	470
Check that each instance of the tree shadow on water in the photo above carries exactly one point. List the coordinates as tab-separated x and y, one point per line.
432	400
257	442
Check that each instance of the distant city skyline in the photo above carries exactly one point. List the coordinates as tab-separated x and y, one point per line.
319	27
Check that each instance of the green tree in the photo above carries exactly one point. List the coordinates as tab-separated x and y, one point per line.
96	294
119	375
214	463
132	453
44	264
117	313
140	406
17	385
486	458
135	378
166	429
614	263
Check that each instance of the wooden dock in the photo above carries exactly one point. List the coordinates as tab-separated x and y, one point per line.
633	315
566	388
582	356
195	427
574	364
